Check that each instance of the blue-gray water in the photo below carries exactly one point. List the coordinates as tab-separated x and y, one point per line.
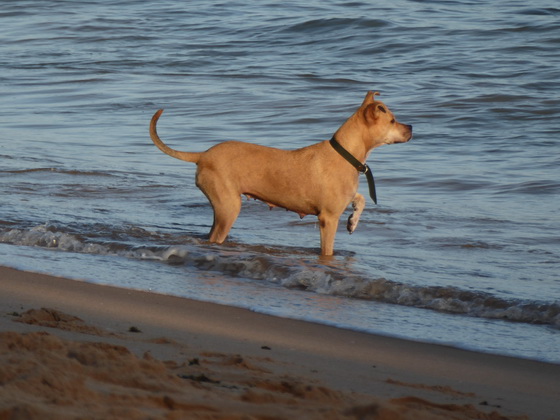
464	246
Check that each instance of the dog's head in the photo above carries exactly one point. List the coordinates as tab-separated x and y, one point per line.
382	126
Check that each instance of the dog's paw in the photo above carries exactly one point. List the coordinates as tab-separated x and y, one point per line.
352	224
358	204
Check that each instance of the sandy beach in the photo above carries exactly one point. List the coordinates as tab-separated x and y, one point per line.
72	349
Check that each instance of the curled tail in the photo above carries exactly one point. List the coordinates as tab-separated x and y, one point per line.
187	156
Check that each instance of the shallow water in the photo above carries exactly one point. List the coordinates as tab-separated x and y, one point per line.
463	247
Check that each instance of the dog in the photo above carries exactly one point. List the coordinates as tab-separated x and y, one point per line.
314	180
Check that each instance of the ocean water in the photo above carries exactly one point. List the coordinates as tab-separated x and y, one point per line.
463	248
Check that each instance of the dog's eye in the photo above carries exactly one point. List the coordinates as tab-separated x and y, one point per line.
393	121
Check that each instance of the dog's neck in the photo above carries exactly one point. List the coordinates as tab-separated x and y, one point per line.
362	168
346	137
350	158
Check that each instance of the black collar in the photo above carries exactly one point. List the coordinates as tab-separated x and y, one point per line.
360	167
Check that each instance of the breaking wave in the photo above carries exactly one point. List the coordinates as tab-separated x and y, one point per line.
286	270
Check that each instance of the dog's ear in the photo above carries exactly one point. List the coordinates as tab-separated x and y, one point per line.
372	111
370	98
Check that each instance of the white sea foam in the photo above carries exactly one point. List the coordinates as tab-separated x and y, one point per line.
298	274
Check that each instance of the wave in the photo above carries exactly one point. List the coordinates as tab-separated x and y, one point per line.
330	24
58	171
301	273
537	187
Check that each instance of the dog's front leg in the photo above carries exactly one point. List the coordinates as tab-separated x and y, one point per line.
358	204
328	225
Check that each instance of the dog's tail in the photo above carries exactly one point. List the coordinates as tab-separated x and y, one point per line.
188	156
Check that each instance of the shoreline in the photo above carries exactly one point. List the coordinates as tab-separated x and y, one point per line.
348	370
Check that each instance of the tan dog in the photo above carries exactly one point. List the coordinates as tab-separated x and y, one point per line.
313	180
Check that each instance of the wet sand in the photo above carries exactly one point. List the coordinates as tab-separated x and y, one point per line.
72	349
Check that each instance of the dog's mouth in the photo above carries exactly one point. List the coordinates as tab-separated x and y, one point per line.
409	134
400	134
405	137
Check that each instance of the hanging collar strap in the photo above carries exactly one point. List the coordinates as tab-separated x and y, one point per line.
360	167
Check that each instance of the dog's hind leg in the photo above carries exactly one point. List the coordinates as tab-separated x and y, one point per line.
225	215
225	201
358	204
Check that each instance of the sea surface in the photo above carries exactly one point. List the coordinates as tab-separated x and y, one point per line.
463	248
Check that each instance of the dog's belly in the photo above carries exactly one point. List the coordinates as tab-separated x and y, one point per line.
302	211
